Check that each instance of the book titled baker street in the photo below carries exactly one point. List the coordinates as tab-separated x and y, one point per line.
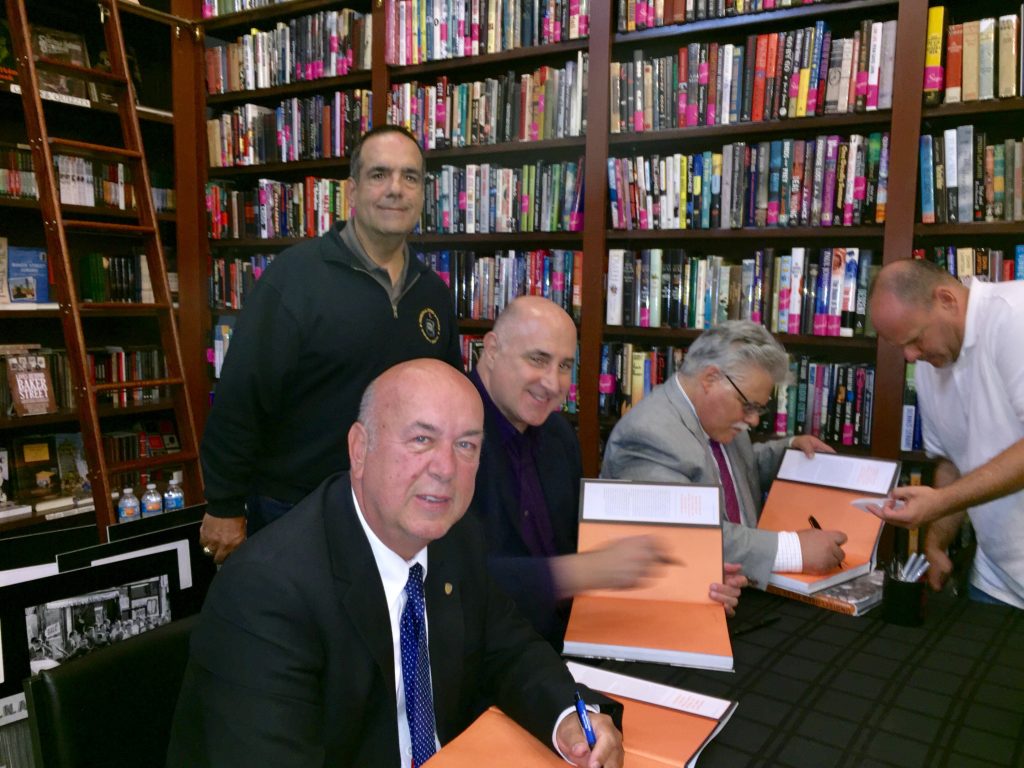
31	387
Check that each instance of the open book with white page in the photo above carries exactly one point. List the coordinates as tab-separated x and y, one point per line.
661	725
834	490
670	618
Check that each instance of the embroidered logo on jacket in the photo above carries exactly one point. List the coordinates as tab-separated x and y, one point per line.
430	325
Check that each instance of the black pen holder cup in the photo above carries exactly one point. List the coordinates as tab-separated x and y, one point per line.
903	602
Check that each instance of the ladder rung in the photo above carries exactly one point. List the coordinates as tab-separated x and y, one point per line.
149	462
116	386
85	73
109	228
87	148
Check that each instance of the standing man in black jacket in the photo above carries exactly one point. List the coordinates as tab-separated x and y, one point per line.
324	320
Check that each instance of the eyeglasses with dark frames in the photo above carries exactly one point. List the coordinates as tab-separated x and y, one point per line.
749	408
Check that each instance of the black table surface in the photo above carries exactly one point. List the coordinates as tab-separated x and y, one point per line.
818	689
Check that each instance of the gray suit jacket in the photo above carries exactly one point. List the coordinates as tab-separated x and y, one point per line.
661	440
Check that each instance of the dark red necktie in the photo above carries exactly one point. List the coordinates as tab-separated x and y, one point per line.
732	503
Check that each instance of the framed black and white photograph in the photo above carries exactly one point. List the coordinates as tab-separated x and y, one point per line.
56	619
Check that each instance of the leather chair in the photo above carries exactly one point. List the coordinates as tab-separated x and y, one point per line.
113	707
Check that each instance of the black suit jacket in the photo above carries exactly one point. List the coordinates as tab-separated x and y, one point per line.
292	662
527	579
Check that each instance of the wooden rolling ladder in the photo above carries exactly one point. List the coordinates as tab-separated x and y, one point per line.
60	231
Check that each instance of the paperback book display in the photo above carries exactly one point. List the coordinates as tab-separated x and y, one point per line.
808	291
275	209
482	286
644	14
299	128
968	59
479	198
832	401
965	177
983	263
549	103
325	44
418	31
778	75
827	181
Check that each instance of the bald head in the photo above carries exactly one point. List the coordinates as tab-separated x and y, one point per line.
921	308
415	451
528	358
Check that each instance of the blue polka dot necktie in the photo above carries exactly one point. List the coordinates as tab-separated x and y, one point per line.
419	702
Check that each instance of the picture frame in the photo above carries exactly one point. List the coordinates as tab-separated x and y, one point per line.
98	600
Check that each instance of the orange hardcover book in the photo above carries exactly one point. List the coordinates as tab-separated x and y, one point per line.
496	739
670	619
834	490
661	725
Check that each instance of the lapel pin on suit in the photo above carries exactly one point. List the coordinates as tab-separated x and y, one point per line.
448	587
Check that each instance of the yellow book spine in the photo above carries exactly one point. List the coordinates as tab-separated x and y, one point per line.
934	79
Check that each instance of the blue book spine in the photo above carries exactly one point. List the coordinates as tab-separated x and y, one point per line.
927	181
1018	263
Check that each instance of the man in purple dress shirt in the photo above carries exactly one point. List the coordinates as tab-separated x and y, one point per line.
527	488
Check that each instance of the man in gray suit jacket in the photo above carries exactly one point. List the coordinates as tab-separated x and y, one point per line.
675	432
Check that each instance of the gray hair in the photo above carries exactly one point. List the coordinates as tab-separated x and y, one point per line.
367	412
355	164
911	281
735	345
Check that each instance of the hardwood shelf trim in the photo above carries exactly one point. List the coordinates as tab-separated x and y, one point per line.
506	240
294	167
146	114
482	151
31	204
360	79
468	63
788	234
250	243
687	335
246	19
745	20
750	130
969	108
972	229
67	415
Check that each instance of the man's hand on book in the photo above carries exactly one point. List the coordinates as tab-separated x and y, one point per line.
220	536
822	551
623	564
810	445
728	594
607	752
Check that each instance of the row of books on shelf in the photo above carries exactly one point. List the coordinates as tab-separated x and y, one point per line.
636	15
81	181
478	198
824	181
832	401
37	472
820	292
482	286
67	47
418	31
323	44
549	103
214	8
275	209
120	277
964	178
990	264
52	381
973	60
799	73
299	128
232	279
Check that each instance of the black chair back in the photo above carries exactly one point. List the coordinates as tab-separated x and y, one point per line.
112	707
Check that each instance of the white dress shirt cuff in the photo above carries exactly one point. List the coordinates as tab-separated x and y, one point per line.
788	557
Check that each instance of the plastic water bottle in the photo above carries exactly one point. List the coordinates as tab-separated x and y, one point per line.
128	506
174	497
152	502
